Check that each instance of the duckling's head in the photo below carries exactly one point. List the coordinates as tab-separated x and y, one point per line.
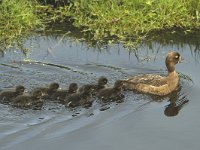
73	87
20	89
37	93
171	60
118	84
54	86
102	81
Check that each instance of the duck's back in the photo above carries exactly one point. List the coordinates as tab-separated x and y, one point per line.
22	101
152	83
60	94
7	96
149	79
104	93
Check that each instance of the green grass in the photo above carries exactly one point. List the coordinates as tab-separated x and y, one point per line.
131	21
17	19
101	21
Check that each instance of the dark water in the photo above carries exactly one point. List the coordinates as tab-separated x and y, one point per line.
141	122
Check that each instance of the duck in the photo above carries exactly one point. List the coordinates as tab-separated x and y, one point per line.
62	94
7	96
102	81
156	84
48	91
111	93
32	100
81	98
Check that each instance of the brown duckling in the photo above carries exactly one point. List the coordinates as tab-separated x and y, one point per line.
32	101
80	98
8	96
49	91
102	81
62	94
156	84
112	94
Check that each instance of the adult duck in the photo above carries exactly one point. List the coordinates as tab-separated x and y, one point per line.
156	84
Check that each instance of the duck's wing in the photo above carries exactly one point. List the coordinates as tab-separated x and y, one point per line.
149	79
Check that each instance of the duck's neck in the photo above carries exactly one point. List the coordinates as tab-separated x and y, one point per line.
70	91
100	86
170	67
173	73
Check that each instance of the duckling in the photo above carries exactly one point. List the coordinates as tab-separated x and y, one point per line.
112	94
7	96
156	84
102	81
49	91
80	98
29	101
62	94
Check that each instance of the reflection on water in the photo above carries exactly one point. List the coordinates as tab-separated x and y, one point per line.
63	60
177	99
176	104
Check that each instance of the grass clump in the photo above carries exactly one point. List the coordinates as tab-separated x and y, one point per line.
128	20
17	19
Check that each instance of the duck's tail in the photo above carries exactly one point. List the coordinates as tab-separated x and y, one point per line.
127	85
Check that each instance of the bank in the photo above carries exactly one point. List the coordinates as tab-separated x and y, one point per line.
106	21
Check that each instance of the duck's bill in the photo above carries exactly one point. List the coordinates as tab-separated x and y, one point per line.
181	59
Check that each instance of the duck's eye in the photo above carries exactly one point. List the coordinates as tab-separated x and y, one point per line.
176	56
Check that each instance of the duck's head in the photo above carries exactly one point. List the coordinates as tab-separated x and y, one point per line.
73	87
54	86
102	81
20	89
172	59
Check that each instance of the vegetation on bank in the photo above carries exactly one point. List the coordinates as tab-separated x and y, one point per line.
17	19
126	21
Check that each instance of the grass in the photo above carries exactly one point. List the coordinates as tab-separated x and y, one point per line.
127	21
17	19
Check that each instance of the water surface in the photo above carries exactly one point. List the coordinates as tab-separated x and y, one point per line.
140	122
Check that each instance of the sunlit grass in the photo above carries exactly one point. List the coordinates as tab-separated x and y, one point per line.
128	20
17	19
100	21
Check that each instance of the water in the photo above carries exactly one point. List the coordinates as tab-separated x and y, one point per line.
140	122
